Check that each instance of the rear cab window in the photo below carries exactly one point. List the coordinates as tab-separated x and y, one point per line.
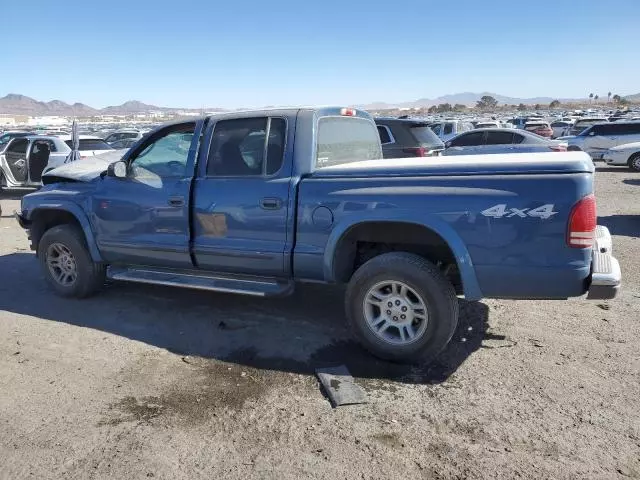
239	147
345	139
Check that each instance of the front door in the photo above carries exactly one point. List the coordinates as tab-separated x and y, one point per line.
241	197
144	218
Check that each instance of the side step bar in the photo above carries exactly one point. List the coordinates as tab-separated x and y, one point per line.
256	286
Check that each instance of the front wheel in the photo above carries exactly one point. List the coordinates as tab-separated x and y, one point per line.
67	264
401	307
634	162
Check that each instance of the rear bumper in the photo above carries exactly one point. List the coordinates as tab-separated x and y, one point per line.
606	276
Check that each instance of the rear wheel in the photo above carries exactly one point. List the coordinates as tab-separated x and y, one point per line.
634	162
401	307
67	264
573	148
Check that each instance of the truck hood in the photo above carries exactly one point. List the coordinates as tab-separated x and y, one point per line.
508	163
83	170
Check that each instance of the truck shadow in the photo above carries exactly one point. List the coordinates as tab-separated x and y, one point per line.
296	334
624	225
612	168
632	181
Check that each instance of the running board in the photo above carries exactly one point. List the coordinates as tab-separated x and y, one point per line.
256	286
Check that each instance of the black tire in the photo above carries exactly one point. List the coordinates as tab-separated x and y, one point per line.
427	281
573	148
634	162
90	276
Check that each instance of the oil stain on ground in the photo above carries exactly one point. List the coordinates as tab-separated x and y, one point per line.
209	389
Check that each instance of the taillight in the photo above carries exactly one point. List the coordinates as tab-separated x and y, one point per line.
348	112
416	151
582	223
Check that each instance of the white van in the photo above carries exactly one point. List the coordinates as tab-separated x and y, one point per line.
597	139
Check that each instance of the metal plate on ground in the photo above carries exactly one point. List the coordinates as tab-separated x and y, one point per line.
340	386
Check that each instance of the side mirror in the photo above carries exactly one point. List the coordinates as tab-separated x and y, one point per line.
591	134
447	145
117	169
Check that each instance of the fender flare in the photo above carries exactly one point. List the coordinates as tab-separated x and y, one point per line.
82	219
470	285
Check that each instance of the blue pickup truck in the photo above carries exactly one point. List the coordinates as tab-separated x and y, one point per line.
255	202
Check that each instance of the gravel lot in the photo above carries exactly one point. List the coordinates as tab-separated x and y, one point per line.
143	382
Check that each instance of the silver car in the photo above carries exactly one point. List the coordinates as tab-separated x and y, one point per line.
597	139
500	140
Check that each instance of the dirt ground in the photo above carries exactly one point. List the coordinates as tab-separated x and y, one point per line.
153	382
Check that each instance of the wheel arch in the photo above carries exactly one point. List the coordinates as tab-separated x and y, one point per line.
45	217
340	248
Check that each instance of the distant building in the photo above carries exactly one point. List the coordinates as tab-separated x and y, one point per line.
48	120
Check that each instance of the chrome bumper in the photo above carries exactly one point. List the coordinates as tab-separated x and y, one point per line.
605	269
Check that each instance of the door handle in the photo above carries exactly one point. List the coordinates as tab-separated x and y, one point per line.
271	203
176	201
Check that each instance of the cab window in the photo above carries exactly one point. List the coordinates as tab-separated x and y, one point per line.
165	154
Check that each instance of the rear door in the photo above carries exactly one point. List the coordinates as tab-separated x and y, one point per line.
241	196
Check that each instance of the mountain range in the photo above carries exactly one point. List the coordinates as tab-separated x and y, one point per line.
470	98
17	104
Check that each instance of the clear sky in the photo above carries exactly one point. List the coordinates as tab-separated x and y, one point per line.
280	52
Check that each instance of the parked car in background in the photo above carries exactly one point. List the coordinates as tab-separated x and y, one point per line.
89	145
6	137
125	134
626	154
582	124
500	140
596	140
407	138
560	128
539	127
25	159
450	128
488	124
518	122
124	143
